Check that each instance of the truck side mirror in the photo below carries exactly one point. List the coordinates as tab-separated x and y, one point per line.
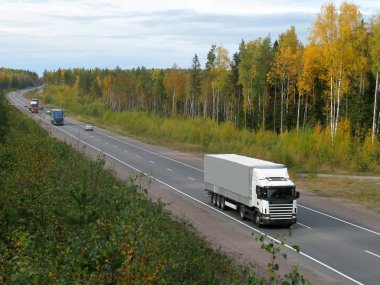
297	194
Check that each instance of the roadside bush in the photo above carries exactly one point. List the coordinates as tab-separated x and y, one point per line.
4	125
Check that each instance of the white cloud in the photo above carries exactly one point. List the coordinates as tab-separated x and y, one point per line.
50	34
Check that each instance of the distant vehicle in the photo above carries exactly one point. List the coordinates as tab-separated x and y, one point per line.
259	190
48	112
33	106
89	127
57	116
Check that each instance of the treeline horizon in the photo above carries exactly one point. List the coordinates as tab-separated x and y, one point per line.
17	78
279	86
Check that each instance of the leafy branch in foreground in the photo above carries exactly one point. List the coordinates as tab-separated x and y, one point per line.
276	248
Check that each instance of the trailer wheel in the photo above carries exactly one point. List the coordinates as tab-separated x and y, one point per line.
241	212
222	203
214	198
218	201
257	220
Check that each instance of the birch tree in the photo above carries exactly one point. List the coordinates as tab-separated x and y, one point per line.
283	74
222	64
375	55
338	33
247	73
311	70
174	85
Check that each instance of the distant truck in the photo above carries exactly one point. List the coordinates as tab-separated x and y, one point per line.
57	116
259	190
33	106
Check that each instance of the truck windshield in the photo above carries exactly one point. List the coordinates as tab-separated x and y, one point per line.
279	193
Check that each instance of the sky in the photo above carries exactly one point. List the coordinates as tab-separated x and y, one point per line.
40	35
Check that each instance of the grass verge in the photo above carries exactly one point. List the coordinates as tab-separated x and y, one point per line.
365	193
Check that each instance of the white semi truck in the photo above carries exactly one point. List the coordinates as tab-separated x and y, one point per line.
259	190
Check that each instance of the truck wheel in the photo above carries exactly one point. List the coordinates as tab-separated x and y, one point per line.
222	203
212	197
241	212
218	201
257	220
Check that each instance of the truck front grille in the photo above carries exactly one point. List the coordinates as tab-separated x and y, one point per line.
280	211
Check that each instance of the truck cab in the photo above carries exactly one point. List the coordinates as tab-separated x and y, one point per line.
276	201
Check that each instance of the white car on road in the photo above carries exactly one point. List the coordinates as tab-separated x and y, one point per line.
89	127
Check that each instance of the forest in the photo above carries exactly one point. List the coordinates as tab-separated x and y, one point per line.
271	85
18	79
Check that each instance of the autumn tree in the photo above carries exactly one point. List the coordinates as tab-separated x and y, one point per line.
174	85
283	74
222	64
375	55
308	78
107	88
247	74
338	33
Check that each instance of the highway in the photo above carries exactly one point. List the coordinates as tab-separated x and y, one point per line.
342	249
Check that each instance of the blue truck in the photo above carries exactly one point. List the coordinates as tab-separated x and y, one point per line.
56	116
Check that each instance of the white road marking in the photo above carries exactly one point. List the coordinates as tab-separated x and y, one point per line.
125	150
191	178
92	137
340	220
367	251
106	142
115	146
303	225
152	162
137	155
169	169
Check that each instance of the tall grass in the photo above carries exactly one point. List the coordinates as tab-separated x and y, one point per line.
309	150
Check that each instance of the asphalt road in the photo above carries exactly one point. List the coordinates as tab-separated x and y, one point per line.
337	246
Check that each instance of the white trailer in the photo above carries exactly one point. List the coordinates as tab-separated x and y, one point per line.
259	190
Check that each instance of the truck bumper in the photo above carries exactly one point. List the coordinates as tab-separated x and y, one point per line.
266	220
